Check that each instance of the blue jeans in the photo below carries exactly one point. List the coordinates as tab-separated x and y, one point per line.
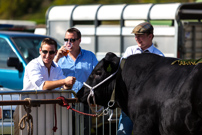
125	126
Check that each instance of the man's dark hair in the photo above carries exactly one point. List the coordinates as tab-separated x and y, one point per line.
49	41
72	30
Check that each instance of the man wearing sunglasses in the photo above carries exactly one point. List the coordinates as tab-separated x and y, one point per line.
78	63
42	73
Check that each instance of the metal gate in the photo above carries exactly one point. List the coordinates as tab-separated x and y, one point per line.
43	113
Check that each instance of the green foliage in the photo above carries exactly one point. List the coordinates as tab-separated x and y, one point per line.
11	9
35	10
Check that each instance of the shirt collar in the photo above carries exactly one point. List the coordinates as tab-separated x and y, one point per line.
150	49
81	52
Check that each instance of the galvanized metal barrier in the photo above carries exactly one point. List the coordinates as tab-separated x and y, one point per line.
42	111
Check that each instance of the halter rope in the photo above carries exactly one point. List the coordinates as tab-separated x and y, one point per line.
94	87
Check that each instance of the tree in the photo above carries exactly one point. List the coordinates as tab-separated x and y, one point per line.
11	9
35	9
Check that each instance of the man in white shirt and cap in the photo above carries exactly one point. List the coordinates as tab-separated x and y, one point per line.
143	35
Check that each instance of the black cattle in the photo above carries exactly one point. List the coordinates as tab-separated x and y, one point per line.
160	98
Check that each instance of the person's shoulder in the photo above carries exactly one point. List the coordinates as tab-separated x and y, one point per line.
33	65
87	52
132	47
157	51
130	50
34	61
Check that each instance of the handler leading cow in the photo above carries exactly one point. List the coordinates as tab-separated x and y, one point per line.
159	97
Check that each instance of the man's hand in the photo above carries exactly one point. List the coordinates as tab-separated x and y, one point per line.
69	82
60	53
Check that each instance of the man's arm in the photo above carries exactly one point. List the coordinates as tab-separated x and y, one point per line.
59	54
67	83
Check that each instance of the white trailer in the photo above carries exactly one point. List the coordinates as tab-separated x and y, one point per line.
107	28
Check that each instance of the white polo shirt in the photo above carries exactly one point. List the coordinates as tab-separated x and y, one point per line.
36	74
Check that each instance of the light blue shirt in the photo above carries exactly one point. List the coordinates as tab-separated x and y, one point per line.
81	68
136	49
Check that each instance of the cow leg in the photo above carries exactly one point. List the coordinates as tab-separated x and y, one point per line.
146	124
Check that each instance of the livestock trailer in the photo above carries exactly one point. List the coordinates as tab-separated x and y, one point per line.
107	28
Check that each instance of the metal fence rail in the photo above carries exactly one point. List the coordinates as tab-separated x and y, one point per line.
42	111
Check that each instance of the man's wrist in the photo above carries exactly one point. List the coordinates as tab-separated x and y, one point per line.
56	59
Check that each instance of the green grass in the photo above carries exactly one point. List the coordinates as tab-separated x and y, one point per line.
161	22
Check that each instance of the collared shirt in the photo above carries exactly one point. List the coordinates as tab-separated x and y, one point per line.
36	74
136	49
81	68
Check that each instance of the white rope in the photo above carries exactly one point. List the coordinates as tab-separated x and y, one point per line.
92	88
110	117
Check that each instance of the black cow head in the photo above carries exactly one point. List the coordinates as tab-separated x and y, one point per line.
107	66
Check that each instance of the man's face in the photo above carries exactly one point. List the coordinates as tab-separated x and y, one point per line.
144	41
47	53
75	44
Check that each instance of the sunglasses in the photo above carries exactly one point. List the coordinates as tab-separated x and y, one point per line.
70	40
50	52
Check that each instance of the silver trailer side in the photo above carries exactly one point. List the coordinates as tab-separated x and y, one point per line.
107	28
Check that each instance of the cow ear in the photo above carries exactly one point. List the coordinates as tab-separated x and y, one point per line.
109	56
111	62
